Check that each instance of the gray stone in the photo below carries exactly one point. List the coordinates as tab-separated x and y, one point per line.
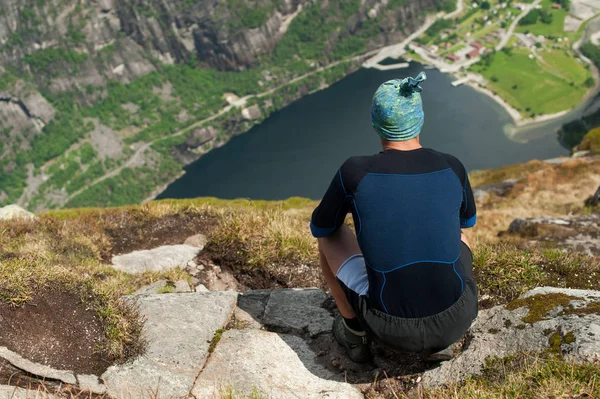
179	329
182	286
158	259
246	320
91	383
500	189
13	212
298	311
39	370
153	288
201	288
10	392
198	240
277	366
499	332
579	233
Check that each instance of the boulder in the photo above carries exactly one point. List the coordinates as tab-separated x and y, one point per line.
13	212
198	240
155	260
500	189
580	233
39	370
179	329
154	288
10	392
294	311
563	321
270	364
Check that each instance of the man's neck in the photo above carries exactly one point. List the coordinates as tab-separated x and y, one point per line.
407	145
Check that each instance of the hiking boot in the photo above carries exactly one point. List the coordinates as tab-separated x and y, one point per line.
356	343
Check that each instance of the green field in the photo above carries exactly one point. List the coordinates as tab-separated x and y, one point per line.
527	86
555	28
567	65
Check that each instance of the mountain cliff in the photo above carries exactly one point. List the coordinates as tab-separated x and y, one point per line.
103	101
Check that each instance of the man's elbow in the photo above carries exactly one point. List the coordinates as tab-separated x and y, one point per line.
321	232
468	223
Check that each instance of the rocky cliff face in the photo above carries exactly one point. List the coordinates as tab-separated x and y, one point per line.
147	70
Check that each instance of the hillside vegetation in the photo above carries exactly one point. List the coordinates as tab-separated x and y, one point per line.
113	104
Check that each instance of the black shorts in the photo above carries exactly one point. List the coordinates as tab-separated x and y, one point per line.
425	334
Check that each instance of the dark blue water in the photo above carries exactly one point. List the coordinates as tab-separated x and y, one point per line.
297	150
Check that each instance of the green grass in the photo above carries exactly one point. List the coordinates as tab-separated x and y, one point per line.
528	87
555	29
565	63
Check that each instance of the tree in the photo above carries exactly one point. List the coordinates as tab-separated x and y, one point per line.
530	18
589	82
546	17
485	5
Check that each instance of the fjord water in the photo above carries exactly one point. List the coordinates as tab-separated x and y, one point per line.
296	151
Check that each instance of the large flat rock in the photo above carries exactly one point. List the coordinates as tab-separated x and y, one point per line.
10	392
179	329
155	260
289	310
275	365
569	325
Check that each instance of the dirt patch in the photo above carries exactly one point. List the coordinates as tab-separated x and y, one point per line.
139	232
56	329
284	273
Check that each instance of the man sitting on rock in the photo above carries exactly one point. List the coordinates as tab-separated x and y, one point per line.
405	279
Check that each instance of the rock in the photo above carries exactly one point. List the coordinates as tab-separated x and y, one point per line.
10	392
13	212
500	189
182	286
39	370
580	233
201	288
198	240
200	136
277	366
569	325
251	113
158	259
217	279
153	288
91	383
289	310
179	329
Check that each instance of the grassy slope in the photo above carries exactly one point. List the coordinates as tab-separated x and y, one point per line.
554	29
529	87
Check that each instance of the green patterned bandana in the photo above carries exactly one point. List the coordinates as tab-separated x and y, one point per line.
397	109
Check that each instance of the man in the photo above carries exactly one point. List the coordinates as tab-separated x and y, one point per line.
405	279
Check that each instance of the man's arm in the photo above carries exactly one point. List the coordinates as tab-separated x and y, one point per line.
331	212
468	210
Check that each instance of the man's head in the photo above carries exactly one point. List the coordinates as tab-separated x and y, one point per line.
397	109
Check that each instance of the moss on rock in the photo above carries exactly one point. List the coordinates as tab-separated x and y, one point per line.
540	305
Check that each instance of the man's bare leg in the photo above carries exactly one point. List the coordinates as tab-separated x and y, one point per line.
333	252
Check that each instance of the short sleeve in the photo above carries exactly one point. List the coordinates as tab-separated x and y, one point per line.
331	212
468	211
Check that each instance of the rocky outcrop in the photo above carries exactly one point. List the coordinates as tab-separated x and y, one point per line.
179	329
14	212
500	189
158	259
560	321
580	233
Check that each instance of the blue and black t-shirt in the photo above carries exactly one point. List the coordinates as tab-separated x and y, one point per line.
408	209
